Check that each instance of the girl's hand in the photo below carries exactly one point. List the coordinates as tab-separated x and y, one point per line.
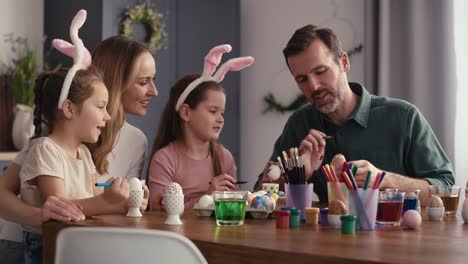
118	192
144	204
313	149
61	209
157	205
223	182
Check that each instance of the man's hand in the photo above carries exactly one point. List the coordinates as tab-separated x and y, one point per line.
313	149
364	167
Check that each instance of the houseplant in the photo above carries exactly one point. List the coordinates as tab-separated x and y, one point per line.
21	72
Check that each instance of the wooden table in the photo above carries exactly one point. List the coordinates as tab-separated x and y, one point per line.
258	240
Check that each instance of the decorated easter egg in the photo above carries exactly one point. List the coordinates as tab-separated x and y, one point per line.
436	202
258	202
275	196
274	172
337	207
173	188
411	219
338	160
134	184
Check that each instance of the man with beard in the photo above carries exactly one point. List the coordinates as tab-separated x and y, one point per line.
373	132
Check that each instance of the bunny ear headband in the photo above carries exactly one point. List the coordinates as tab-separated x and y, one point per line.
212	60
77	50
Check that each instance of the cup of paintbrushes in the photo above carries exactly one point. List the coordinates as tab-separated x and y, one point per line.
299	196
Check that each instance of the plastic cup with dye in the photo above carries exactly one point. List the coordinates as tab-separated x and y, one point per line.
230	207
299	196
390	207
348	224
450	196
312	215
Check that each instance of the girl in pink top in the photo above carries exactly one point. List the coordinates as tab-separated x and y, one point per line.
185	149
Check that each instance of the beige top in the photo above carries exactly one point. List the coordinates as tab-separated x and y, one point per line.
45	157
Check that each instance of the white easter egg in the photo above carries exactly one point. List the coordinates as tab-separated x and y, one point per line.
274	172
206	201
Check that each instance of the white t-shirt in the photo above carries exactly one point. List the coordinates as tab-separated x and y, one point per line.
127	159
128	155
45	157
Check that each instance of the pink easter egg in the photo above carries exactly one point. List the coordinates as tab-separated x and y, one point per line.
411	219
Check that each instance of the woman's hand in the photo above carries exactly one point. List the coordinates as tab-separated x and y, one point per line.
61	209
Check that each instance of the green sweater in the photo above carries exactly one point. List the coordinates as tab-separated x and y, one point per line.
391	134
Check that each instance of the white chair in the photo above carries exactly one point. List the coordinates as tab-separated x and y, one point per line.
82	245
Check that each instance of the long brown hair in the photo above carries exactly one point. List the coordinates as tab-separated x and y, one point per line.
116	57
170	124
47	92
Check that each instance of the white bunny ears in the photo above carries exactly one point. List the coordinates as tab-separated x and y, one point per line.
79	53
212	60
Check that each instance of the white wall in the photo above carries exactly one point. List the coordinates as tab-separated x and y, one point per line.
266	26
461	126
22	17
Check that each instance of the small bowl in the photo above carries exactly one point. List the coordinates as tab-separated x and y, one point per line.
435	213
464	215
334	220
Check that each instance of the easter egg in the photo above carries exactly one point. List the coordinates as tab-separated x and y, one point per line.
206	201
134	184
274	172
411	219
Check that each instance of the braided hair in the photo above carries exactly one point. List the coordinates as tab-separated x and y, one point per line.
47	92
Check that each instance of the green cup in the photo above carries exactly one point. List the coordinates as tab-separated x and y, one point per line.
230	207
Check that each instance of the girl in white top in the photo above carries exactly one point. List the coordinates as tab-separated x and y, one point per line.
60	164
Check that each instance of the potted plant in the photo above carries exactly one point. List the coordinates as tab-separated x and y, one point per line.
21	73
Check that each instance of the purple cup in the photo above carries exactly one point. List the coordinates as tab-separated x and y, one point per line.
299	196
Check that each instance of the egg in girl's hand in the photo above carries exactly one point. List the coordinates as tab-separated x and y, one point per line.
274	172
411	219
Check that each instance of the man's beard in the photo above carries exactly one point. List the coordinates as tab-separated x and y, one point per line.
328	107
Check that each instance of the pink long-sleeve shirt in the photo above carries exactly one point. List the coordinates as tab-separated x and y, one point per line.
171	164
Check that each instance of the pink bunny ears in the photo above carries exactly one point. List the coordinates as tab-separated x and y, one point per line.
77	50
212	60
